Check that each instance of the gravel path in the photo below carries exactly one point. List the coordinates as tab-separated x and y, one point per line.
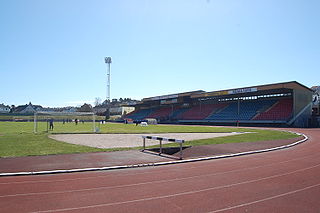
129	140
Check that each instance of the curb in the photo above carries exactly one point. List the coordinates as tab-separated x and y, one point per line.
158	163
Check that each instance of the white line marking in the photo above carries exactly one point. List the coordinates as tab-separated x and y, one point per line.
149	182
157	164
266	199
180	194
101	176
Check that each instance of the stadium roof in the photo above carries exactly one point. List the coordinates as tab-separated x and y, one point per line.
285	85
176	95
294	85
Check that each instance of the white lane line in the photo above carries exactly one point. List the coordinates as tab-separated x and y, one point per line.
145	183
157	163
180	194
266	199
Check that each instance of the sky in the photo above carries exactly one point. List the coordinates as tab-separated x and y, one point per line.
52	52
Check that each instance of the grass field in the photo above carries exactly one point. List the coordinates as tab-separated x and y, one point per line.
18	139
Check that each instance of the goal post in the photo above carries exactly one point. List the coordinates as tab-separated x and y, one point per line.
63	117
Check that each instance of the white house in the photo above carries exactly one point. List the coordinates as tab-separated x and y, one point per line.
69	109
122	110
28	108
4	108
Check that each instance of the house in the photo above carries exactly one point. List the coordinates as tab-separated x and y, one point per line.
121	110
28	108
316	100
69	109
4	108
98	110
114	110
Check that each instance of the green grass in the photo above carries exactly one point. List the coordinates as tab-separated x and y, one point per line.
17	138
255	136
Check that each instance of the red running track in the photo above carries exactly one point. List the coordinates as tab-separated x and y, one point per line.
281	181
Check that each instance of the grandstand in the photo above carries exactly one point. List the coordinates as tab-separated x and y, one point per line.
280	104
280	110
161	113
140	114
201	111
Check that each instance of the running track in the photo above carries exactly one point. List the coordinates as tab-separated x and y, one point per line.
281	181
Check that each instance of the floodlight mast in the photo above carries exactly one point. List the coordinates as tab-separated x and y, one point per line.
108	61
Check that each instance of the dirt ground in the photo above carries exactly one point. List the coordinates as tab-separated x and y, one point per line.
129	140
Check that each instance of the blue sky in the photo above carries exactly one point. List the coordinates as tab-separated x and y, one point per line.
52	51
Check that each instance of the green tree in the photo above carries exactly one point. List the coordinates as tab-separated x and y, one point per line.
85	108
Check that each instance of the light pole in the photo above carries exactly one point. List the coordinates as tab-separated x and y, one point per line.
108	61
238	112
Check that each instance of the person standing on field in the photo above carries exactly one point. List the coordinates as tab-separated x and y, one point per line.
51	124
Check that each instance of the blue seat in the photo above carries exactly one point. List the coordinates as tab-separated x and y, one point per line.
248	109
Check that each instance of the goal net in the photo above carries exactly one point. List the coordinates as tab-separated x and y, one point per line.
64	122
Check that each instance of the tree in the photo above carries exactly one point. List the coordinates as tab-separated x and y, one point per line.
85	108
97	101
13	107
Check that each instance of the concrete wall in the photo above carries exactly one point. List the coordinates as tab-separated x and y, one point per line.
301	98
303	120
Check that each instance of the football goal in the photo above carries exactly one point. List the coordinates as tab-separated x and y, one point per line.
64	122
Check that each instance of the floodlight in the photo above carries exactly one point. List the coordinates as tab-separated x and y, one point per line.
108	60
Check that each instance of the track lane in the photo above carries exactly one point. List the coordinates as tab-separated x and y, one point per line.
248	182
204	188
182	199
101	182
